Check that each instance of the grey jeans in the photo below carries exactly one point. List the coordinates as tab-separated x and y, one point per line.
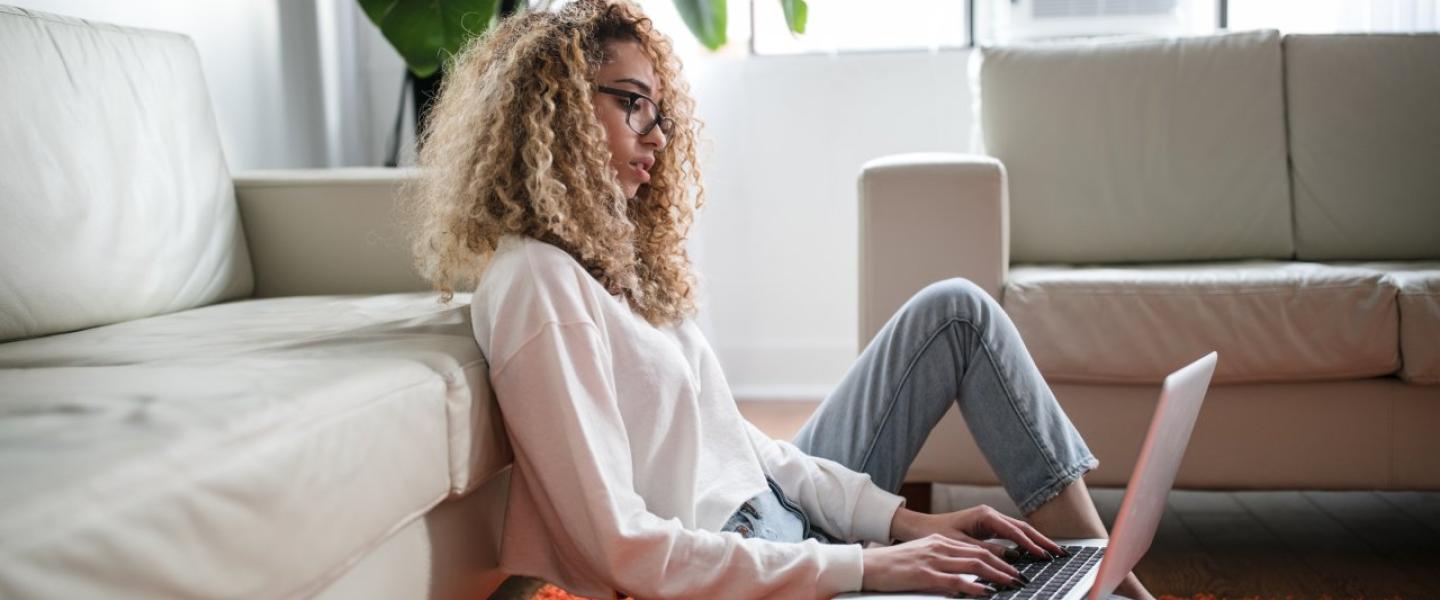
951	342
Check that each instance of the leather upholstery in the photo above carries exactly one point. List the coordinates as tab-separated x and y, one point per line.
1270	321
1135	151
115	200
1364	144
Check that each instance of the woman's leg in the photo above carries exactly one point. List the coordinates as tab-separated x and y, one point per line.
950	341
953	342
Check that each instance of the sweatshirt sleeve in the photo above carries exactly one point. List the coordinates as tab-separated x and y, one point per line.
837	499
557	396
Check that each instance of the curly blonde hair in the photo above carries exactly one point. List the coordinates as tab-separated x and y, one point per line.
513	146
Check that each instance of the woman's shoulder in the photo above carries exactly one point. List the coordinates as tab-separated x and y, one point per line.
522	259
530	278
517	245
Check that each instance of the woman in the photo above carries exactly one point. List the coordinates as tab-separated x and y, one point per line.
556	177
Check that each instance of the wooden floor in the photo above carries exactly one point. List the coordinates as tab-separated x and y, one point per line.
1276	544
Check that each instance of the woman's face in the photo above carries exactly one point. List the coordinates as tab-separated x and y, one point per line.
631	154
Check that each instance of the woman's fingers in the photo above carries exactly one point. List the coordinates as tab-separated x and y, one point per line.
993	523
987	522
964	551
1000	565
1010	531
981	570
978	567
1040	538
991	547
951	583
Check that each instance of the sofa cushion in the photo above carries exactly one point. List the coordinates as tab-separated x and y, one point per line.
1270	321
164	457
1419	301
1141	151
115	200
1364	144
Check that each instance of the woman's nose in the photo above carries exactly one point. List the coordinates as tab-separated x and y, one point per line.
655	139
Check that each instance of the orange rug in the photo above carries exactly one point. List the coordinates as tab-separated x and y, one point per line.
550	592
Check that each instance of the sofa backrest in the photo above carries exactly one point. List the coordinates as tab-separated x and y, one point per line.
1141	150
115	200
1364	114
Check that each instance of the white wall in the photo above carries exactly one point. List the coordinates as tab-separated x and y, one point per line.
777	244
780	245
258	58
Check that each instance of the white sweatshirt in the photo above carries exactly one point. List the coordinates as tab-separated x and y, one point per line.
630	453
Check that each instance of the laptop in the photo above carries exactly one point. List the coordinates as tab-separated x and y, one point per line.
1096	566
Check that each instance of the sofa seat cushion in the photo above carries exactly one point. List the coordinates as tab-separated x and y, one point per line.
1270	321
164	457
1419	301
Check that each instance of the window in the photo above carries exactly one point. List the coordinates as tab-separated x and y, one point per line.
1333	16
1056	9
1010	21
851	26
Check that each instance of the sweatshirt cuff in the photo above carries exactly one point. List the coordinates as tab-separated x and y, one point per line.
843	568
873	513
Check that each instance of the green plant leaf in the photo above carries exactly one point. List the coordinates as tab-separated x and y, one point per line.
796	11
428	32
706	19
375	9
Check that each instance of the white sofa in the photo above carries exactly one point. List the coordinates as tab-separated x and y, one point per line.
1142	202
216	387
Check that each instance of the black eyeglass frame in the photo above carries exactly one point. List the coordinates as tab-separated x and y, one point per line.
667	125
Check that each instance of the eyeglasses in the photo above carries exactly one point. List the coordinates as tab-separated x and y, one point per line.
641	113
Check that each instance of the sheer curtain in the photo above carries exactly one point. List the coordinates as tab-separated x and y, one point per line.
359	78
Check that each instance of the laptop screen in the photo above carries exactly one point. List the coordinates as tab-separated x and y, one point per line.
1144	502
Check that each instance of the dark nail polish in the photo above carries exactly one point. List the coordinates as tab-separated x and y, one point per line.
1023	578
1064	552
1012	554
990	590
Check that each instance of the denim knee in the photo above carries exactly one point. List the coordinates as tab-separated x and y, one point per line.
953	297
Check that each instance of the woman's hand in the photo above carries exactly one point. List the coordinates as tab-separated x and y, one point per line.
936	563
973	526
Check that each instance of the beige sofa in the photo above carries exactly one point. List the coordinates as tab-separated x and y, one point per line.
217	387
1142	202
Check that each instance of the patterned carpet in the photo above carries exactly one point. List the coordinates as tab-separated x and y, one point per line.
550	592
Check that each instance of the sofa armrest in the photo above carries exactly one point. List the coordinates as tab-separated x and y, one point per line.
326	231
924	218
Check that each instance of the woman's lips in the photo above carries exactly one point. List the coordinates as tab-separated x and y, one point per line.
641	174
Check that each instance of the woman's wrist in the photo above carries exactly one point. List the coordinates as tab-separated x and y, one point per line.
906	524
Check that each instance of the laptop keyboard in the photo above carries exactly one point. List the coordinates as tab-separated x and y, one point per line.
1051	579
